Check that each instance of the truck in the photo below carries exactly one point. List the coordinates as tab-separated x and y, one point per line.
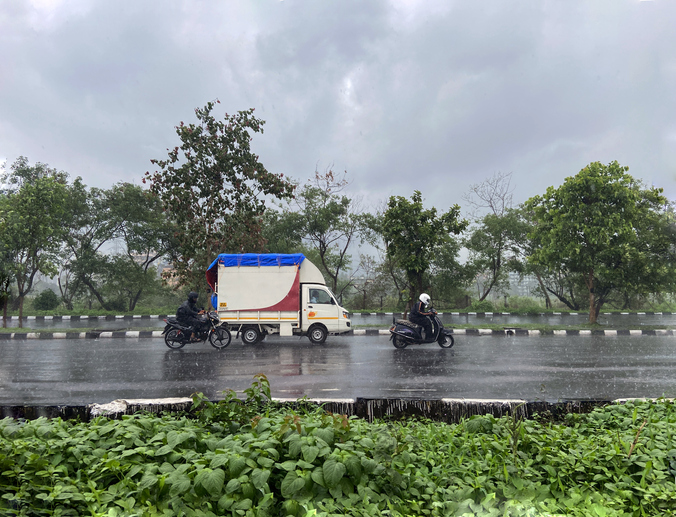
257	294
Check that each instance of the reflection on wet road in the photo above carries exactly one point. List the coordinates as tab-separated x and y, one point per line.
82	371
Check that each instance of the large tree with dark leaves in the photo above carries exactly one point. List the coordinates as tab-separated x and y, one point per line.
413	235
215	188
33	202
604	227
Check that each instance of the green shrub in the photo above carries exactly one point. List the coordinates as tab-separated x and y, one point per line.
616	461
46	301
484	306
525	304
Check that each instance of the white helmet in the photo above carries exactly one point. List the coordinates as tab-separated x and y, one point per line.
425	298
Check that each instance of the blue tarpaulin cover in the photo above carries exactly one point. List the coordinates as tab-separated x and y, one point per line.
252	259
258	259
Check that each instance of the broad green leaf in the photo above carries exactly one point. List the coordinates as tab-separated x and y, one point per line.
147	481
237	465
259	478
180	483
232	486
288	465
310	452
318	476
291	484
211	480
333	472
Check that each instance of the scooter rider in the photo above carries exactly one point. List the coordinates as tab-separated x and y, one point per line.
419	316
187	314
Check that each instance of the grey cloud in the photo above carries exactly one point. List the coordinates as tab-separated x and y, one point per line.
437	102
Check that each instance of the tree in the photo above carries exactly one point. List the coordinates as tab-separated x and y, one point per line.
46	301
494	241
283	231
370	282
90	226
332	222
493	246
32	217
6	266
493	194
214	189
412	235
604	227
146	235
126	217
448	276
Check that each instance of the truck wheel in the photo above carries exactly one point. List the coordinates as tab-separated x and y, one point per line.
317	334
251	335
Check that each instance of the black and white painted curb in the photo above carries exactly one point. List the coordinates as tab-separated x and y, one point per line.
519	314
509	331
81	335
451	410
87	318
357	332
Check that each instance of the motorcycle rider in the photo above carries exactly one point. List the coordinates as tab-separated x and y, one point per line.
419	316
187	314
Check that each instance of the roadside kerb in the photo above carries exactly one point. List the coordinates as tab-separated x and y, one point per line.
441	410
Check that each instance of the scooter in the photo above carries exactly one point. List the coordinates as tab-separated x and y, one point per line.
404	333
177	335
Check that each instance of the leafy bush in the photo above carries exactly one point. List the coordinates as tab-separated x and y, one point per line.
47	300
616	461
525	304
484	306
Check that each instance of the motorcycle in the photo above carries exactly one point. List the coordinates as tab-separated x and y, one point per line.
404	333
177	335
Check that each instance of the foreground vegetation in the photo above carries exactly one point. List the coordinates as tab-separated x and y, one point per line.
253	458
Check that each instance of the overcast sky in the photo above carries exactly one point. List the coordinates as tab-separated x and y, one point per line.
401	94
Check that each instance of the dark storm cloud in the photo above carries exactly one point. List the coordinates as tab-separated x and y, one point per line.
402	95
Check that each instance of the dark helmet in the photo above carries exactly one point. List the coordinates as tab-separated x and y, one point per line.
192	296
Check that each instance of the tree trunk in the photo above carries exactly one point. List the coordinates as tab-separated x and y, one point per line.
548	301
482	297
134	300
93	291
21	299
592	297
592	308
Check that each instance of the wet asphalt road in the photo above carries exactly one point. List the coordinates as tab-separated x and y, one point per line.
83	371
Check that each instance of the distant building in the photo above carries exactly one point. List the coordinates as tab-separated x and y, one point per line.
522	286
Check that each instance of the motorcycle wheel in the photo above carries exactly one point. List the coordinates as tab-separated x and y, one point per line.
449	342
174	339
399	342
220	338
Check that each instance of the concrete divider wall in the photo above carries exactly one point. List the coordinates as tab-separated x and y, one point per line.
443	410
